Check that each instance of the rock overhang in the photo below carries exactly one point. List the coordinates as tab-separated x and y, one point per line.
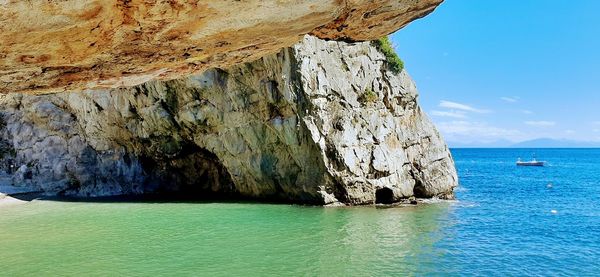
64	45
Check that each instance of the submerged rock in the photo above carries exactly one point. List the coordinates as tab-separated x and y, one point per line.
321	122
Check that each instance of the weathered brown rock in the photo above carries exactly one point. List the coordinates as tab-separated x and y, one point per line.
60	45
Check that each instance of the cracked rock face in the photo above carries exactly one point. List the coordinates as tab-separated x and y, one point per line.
63	45
321	122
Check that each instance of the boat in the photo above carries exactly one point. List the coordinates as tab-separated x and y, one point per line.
533	162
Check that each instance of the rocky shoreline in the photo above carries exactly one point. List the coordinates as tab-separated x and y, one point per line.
21	197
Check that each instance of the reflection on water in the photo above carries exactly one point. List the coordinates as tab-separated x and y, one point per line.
221	239
366	241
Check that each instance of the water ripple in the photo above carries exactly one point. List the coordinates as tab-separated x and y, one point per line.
502	224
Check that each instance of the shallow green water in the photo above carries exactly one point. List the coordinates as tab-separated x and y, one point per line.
61	238
508	221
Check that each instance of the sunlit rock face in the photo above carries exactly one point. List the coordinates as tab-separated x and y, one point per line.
322	122
67	45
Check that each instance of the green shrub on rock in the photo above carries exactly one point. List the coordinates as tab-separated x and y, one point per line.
384	45
368	96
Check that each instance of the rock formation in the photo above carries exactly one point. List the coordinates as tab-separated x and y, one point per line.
321	122
66	45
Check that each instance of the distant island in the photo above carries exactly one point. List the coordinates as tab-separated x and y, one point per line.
534	143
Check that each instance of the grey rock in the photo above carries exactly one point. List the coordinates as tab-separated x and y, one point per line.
22	176
293	126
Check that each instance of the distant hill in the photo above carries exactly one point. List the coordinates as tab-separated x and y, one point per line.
491	144
535	143
555	143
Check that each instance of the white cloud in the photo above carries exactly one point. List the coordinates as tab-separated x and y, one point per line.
570	132
526	111
467	131
453	114
540	123
510	99
596	122
459	106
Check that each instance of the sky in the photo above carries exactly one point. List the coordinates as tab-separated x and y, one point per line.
509	70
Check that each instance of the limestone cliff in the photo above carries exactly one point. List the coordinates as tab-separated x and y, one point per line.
321	122
66	45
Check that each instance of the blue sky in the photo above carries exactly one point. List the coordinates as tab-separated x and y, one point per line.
507	70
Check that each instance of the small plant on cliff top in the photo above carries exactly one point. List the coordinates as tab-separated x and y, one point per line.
384	45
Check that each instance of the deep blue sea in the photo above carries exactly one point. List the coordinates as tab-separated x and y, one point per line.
526	220
507	221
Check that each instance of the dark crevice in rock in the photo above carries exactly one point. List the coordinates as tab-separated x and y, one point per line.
374	173
340	192
419	189
7	151
384	196
334	158
98	107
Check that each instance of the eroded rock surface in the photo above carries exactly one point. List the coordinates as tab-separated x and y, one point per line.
62	45
321	122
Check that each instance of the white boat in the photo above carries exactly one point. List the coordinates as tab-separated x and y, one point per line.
533	162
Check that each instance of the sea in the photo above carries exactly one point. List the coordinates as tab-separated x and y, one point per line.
506	221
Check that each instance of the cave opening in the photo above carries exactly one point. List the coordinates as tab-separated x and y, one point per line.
193	173
419	188
384	196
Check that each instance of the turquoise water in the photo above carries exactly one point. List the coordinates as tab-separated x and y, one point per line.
501	225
